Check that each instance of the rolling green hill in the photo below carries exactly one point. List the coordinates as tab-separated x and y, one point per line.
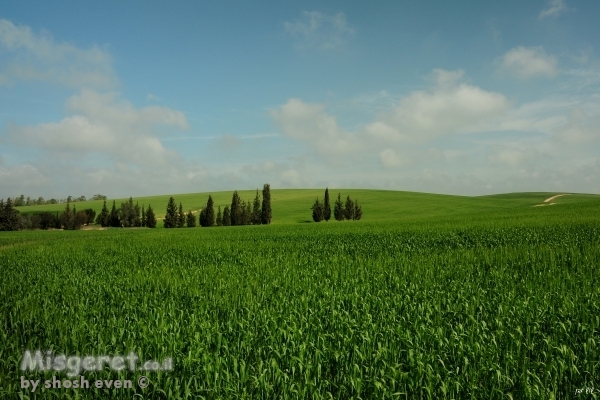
291	206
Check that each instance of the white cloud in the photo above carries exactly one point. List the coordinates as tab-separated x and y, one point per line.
319	30
390	159
528	62
107	124
39	57
309	123
580	127
449	108
555	8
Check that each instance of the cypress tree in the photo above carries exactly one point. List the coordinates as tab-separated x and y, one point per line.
190	219
115	222
326	206
236	211
246	214
127	213
338	209
137	221
9	217
219	217
317	213
180	217
104	217
357	211
150	217
143	221
171	215
256	212
210	212
202	217
266	205
226	216
349	209
68	218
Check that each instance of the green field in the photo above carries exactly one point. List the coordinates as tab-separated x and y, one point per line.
429	296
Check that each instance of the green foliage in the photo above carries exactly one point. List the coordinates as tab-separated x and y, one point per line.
357	211
90	215
180	217
150	217
219	220
67	219
326	206
349	209
103	218
190	219
143	221
236	209
246	218
317	211
9	216
115	221
171	216
226	216
256	210
128	214
207	215
266	213
338	209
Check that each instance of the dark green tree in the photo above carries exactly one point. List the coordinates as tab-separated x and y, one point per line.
115	222
170	220
180	217
79	218
143	221
91	215
247	214
137	220
357	211
209	212
317	211
226	216
190	219
266	205
219	220
256	211
236	209
128	214
326	206
349	209
10	220
103	218
150	217
67	218
338	209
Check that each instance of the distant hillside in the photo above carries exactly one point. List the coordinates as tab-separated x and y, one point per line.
292	206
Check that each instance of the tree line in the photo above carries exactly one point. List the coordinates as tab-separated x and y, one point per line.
12	220
239	213
22	201
132	215
127	216
351	210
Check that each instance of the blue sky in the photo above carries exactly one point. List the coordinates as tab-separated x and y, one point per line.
139	98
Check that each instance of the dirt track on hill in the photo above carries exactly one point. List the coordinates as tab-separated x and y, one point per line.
553	197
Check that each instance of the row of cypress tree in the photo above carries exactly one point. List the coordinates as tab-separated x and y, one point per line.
351	210
128	216
239	213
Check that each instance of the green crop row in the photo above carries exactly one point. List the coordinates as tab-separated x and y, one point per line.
343	311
